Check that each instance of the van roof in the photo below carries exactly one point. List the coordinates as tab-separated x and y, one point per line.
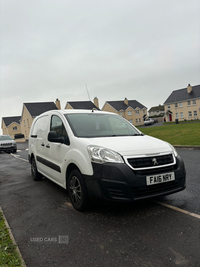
75	111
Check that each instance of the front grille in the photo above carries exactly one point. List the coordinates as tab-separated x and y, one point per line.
155	171
6	144
146	162
153	190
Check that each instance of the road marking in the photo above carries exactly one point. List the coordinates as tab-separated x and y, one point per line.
18	157
178	209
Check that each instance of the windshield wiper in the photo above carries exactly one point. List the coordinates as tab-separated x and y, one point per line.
141	134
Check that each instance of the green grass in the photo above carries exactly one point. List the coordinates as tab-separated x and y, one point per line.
8	254
190	121
176	134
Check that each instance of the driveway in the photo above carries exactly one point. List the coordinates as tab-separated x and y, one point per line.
152	125
49	232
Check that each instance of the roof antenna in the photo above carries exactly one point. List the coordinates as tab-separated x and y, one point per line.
87	92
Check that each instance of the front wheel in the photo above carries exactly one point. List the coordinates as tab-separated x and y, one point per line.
77	191
35	174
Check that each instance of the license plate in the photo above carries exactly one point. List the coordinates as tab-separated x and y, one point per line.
160	178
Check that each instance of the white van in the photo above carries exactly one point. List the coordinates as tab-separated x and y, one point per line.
99	155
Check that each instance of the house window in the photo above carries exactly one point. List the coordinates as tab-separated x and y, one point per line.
176	105
176	115
143	111
139	120
137	112
188	103
15	128
168	106
120	113
24	123
131	121
195	113
129	113
189	113
180	105
194	102
136	120
181	115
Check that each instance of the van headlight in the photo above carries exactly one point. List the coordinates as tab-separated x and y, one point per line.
102	155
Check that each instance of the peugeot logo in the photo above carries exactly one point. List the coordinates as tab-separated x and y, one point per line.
154	161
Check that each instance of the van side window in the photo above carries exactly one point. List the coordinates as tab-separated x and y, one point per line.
58	126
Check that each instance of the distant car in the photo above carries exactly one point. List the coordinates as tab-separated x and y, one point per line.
148	122
7	144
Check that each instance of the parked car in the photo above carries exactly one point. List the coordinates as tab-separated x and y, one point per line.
7	144
148	122
94	159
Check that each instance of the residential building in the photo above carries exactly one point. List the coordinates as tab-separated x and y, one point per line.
183	104
11	126
32	110
157	111
131	110
83	104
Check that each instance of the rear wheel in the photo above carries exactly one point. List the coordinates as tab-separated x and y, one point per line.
35	174
77	191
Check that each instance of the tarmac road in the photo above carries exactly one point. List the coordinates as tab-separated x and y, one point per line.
49	232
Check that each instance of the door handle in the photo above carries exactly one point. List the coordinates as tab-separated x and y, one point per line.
48	146
42	144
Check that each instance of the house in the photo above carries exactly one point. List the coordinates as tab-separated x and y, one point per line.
183	104
32	110
83	104
131	110
11	126
157	111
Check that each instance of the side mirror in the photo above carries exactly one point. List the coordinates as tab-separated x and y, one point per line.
53	137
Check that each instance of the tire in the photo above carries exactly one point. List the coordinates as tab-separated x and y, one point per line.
35	174
77	191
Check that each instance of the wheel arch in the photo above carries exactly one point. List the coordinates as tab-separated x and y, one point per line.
31	157
69	169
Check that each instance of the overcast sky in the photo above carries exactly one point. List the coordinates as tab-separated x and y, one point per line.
139	49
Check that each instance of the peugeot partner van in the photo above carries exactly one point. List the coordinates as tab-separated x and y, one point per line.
100	155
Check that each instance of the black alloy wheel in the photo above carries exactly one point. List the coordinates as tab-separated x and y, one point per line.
35	174
77	191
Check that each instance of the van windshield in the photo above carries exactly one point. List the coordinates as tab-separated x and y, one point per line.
99	125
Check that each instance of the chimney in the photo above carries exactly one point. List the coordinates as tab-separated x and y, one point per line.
126	101
58	104
96	102
189	89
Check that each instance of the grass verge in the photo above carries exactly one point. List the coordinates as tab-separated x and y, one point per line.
8	254
176	134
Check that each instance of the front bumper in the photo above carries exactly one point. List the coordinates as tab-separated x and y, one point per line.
118	182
